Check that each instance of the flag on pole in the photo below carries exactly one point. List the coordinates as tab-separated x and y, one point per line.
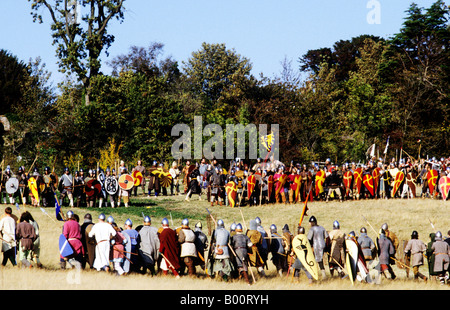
268	141
371	151
387	145
58	210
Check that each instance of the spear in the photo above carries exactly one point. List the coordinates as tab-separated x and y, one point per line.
45	212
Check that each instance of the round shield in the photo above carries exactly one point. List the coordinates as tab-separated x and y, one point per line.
111	185
12	185
93	187
126	182
137	175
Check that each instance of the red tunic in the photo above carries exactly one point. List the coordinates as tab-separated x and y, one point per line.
169	246
72	232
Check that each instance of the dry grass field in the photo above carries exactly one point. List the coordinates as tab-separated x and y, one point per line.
402	216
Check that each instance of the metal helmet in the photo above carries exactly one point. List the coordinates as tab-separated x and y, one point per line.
220	223
110	219
101	216
69	214
336	225
313	219
384	226
128	222
363	230
415	235
233	227
352	234
185	222
198	225
147	219
438	236
165	221
273	228
239	227
258	220
300	230
47	169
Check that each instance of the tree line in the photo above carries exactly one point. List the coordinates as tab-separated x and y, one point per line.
336	103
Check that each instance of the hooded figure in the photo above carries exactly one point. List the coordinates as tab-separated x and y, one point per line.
254	253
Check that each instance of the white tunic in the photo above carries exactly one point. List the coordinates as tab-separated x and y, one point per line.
8	230
102	232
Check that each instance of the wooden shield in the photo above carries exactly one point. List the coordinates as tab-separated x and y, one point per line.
303	250
165	178
410	180
251	182
368	183
92	188
12	185
231	190
376	174
351	258
358	181
400	176
432	177
269	186
444	186
90	244
126	182
137	176
32	185
111	185
320	179
347	180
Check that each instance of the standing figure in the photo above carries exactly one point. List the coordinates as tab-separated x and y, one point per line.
337	251
240	243
8	233
102	232
169	248
186	239
25	235
317	236
148	246
441	250
416	248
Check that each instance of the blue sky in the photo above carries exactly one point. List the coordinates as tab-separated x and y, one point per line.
265	31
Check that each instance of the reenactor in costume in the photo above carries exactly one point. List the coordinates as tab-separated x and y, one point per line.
431	257
194	184
112	198
240	243
103	233
296	266
169	248
153	181
333	184
125	194
134	236
222	265
415	249
318	236
391	236
66	187
441	251
175	173
277	248
264	250
48	194
5	177
264	187
305	183
90	200
368	247
292	185
139	167
23	185
201	244
72	232
25	236
185	173
148	246
276	184
216	187
188	253
385	252
8	233
118	243
255	256
337	250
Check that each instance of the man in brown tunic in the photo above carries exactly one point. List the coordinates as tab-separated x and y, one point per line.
26	235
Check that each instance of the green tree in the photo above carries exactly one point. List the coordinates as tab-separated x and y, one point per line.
79	48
